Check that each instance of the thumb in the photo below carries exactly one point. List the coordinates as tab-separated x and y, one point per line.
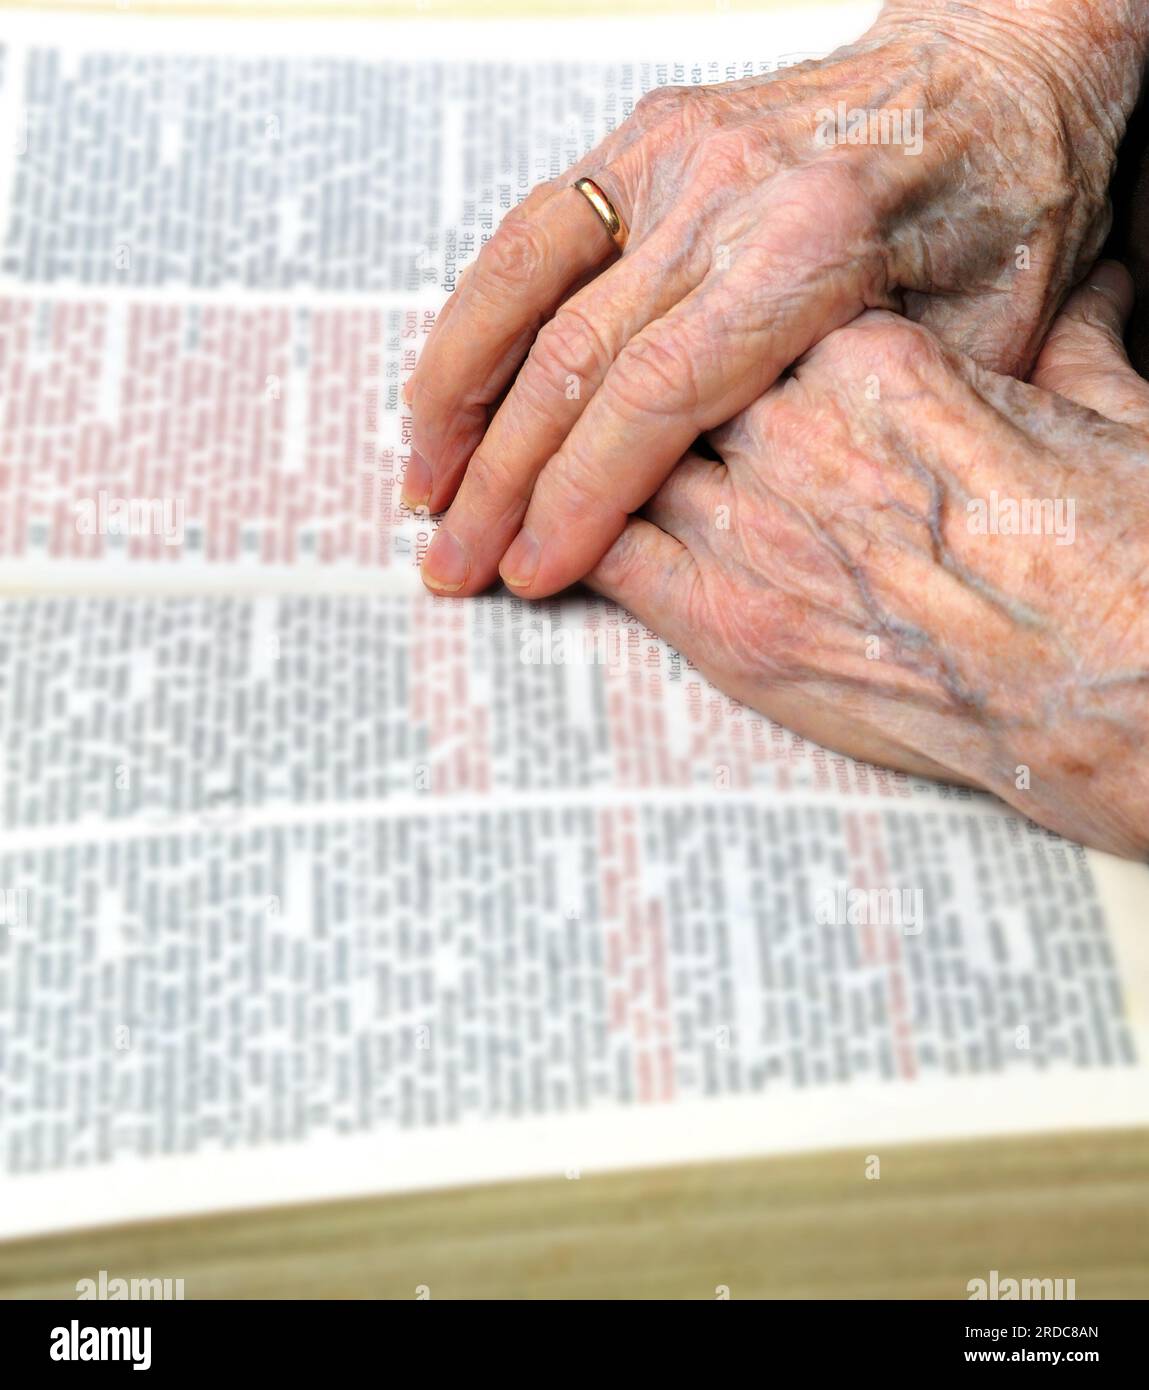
653	576
1083	358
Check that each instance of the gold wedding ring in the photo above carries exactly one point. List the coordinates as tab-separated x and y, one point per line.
607	215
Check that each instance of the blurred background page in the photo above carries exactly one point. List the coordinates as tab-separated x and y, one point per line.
315	885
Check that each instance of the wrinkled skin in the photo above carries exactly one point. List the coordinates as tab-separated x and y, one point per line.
827	572
751	239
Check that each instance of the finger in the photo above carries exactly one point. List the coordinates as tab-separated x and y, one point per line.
694	504
570	358
1084	358
687	372
652	576
516	283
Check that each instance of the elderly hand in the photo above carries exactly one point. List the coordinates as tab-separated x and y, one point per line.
757	226
928	565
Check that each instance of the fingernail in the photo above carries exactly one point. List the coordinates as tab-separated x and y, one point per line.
407	392
446	566
417	483
520	563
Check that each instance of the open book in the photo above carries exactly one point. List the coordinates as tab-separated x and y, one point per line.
313	884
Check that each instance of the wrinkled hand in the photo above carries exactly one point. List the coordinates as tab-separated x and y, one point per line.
754	232
852	567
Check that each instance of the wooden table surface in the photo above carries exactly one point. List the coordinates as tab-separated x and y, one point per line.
812	1226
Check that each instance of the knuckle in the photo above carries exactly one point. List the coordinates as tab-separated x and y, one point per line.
880	343
577	489
491	483
655	373
677	110
540	391
569	345
901	346
515	253
779	422
732	155
659	102
625	564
